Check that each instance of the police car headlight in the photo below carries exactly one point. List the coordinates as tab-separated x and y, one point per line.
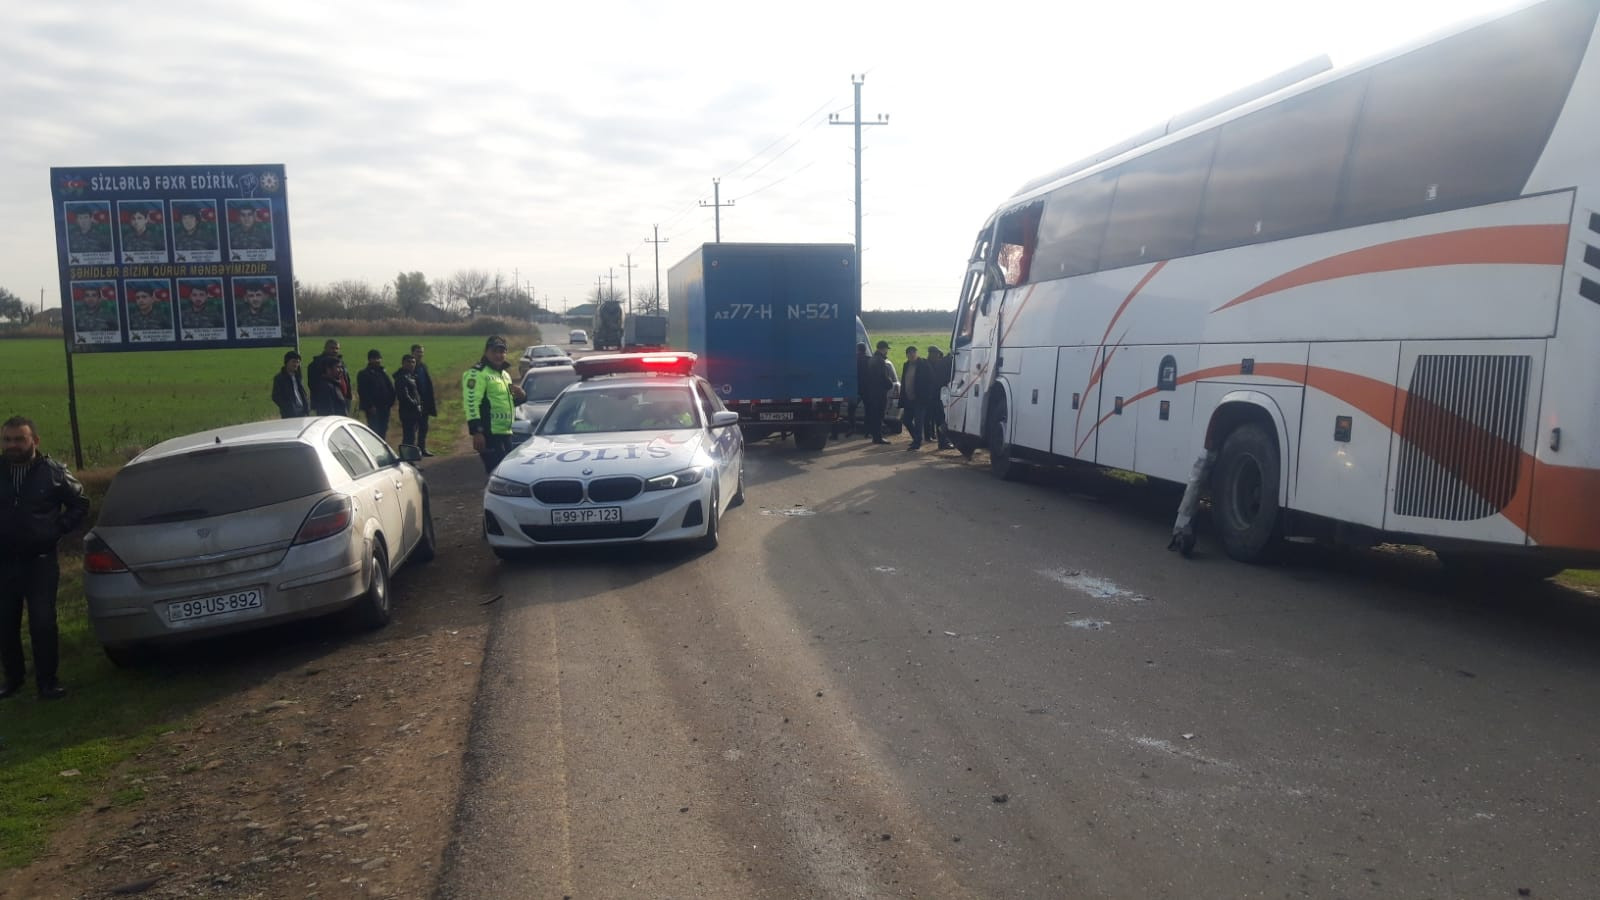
675	480
505	487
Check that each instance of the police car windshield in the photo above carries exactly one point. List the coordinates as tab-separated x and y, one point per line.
620	408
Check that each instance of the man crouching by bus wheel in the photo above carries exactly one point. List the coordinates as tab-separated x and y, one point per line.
490	398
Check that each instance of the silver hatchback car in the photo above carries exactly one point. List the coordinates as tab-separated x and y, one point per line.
251	525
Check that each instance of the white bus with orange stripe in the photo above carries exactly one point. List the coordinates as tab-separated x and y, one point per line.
1371	297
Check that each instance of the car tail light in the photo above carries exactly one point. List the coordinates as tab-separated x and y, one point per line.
330	517
98	558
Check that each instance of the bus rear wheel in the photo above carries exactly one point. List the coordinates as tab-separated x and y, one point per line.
1244	501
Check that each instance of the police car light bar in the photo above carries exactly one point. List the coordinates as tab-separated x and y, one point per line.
634	364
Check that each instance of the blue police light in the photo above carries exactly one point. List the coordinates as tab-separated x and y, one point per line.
635	364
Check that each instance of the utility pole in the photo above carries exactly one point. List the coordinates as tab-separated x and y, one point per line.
657	241
717	204
630	267
833	119
599	292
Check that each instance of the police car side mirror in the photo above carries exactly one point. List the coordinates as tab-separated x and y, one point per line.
724	418
409	453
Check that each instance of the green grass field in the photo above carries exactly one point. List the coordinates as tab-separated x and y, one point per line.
127	401
898	342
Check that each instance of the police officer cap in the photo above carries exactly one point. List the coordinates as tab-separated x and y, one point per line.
495	342
883	345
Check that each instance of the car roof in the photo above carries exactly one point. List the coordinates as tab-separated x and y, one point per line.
273	431
541	371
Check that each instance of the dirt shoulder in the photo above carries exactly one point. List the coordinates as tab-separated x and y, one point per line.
335	773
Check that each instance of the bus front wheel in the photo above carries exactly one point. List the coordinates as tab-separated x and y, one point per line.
1244	496
1000	462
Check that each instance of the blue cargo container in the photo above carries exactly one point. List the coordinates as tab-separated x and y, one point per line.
774	326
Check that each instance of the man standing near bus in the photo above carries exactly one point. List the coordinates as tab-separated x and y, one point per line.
941	367
915	380
875	391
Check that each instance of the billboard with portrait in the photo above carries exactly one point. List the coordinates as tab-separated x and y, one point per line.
174	257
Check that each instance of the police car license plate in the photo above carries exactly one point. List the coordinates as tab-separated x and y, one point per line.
200	607
589	515
775	416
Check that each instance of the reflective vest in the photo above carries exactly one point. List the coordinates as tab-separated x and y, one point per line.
486	397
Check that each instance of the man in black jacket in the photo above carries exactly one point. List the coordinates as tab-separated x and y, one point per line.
425	389
409	397
317	373
40	502
915	381
880	379
288	391
377	394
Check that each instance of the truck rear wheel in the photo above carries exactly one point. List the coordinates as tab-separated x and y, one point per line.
814	438
1244	502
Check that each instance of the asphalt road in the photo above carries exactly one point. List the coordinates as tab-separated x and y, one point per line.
899	677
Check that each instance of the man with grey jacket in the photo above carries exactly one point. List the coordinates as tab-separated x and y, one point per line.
40	502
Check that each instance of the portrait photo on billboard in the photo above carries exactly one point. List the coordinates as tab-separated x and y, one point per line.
255	308
196	235
250	230
142	228
88	232
201	316
147	307
94	312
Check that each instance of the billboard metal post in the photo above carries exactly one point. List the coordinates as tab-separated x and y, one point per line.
72	403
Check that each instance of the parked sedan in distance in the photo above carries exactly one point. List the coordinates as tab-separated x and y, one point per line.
545	355
540	387
251	525
578	336
639	450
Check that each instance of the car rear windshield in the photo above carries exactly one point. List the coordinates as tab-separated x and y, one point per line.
542	388
547	351
211	482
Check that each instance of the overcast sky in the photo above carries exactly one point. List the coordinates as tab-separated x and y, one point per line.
546	139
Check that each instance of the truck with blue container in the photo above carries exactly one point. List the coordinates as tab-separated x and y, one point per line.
774	328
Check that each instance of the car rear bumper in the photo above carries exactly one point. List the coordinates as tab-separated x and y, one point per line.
311	580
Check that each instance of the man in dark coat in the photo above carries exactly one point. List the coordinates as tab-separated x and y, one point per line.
916	380
288	391
875	389
409	397
377	394
863	359
316	374
425	389
934	429
40	502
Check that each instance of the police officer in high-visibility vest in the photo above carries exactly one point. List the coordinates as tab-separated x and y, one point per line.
490	399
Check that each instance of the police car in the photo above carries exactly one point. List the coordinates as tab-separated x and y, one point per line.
638	450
